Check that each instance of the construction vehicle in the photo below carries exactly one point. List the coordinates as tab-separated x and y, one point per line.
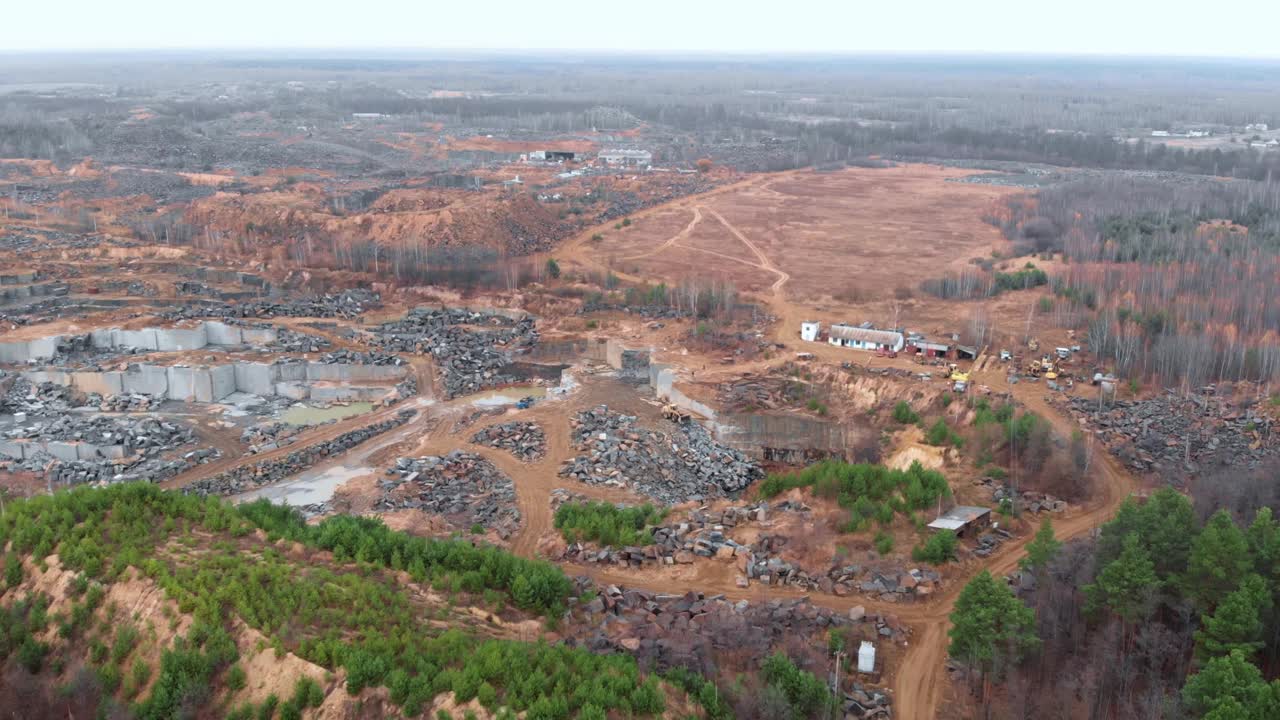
526	402
1005	356
1033	344
675	414
1044	366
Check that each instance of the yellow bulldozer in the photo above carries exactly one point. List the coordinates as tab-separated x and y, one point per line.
1043	367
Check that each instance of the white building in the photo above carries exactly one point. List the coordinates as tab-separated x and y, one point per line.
867	657
866	338
809	331
626	157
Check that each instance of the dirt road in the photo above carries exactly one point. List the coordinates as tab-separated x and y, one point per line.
920	680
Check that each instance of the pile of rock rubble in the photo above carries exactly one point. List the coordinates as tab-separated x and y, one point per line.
525	440
248	477
347	304
688	630
469	359
357	357
147	435
687	464
74	449
704	534
1176	436
268	436
464	488
21	397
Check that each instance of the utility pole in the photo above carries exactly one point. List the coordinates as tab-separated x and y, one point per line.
835	676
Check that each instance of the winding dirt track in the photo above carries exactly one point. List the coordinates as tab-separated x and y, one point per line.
920	680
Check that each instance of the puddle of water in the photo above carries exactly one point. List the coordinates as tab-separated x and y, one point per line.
508	396
307	415
309	488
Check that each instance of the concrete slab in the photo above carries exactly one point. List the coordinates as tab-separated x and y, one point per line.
68	451
258	336
255	378
57	377
103	383
222	379
219	333
177	339
143	339
181	383
293	390
144	379
340	372
291	371
15	352
15	449
44	348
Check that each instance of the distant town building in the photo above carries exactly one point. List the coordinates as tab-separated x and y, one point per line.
553	155
623	157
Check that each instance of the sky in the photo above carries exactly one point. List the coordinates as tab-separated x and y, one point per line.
1245	28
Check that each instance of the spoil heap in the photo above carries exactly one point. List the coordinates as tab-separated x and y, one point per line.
687	464
1177	436
525	440
469	359
465	489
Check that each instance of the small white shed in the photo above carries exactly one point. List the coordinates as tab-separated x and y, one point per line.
867	657
809	331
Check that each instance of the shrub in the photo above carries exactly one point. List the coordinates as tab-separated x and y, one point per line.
884	543
939	433
867	491
607	523
235	677
939	549
12	570
903	413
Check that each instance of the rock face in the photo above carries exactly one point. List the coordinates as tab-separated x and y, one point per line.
525	440
1179	436
464	488
687	464
469	359
248	477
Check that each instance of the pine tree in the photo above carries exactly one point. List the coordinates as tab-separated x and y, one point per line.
1042	549
1127	585
991	628
522	592
1227	682
1219	560
1237	623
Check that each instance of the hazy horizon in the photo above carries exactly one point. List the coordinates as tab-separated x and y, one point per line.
808	27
